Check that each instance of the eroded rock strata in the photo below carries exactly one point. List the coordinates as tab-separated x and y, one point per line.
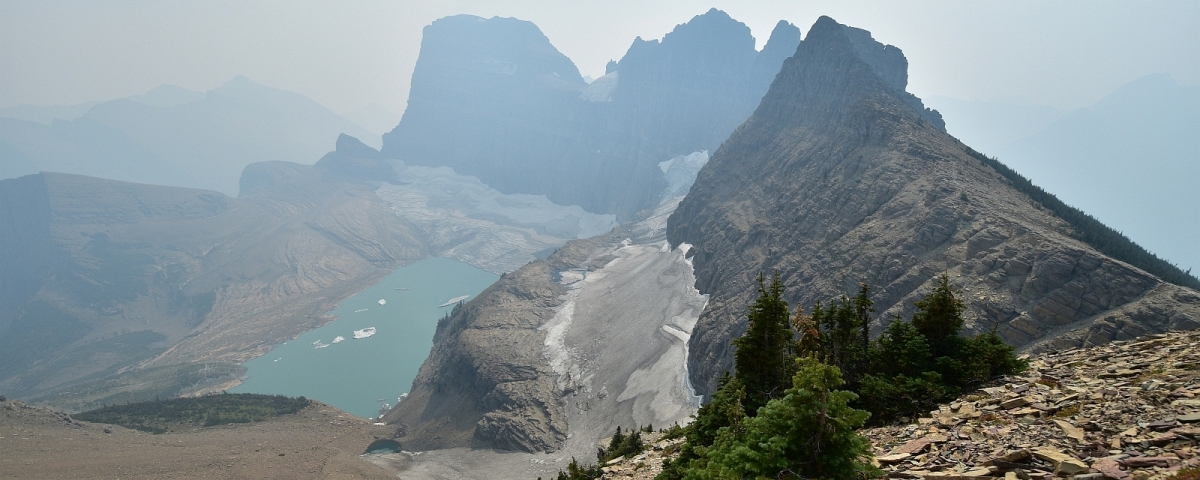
842	177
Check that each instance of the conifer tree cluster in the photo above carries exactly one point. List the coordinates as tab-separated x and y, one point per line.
783	415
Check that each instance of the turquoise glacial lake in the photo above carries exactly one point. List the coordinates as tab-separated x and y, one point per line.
360	375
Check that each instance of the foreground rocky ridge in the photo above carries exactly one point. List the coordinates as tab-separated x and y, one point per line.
1126	410
842	177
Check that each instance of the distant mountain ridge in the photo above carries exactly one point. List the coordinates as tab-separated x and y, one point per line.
1146	133
840	177
173	136
116	291
494	99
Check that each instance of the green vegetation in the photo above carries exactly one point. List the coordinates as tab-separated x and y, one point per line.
912	366
621	445
754	427
162	416
808	433
765	353
111	387
1189	473
575	471
1087	229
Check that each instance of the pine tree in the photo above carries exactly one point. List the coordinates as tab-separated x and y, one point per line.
808	433
939	318
725	411
763	358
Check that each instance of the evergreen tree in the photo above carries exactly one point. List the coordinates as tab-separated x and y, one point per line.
939	318
763	357
808	433
845	328
724	411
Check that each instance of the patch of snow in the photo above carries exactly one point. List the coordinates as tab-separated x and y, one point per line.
680	173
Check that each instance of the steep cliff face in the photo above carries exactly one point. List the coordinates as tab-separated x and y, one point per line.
493	99
841	177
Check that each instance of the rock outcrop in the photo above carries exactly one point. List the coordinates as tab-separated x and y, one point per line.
841	177
486	382
494	99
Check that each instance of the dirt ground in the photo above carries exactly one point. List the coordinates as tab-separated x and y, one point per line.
318	442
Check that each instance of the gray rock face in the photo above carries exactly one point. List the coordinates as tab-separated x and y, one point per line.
486	382
840	178
555	355
493	99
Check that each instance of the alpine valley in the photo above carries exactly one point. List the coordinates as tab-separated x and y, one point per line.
628	217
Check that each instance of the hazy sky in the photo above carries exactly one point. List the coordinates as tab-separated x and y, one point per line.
346	55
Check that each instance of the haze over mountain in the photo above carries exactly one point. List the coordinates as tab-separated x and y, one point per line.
493	99
839	177
173	136
988	125
1122	159
114	291
824	168
1132	159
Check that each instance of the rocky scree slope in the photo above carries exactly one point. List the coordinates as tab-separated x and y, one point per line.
841	177
1125	410
495	100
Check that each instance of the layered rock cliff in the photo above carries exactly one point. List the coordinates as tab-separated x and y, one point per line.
841	177
494	99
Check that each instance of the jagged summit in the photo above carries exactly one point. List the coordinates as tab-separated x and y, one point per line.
494	99
841	177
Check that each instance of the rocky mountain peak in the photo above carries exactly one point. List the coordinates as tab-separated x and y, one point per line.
838	63
493	99
841	177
